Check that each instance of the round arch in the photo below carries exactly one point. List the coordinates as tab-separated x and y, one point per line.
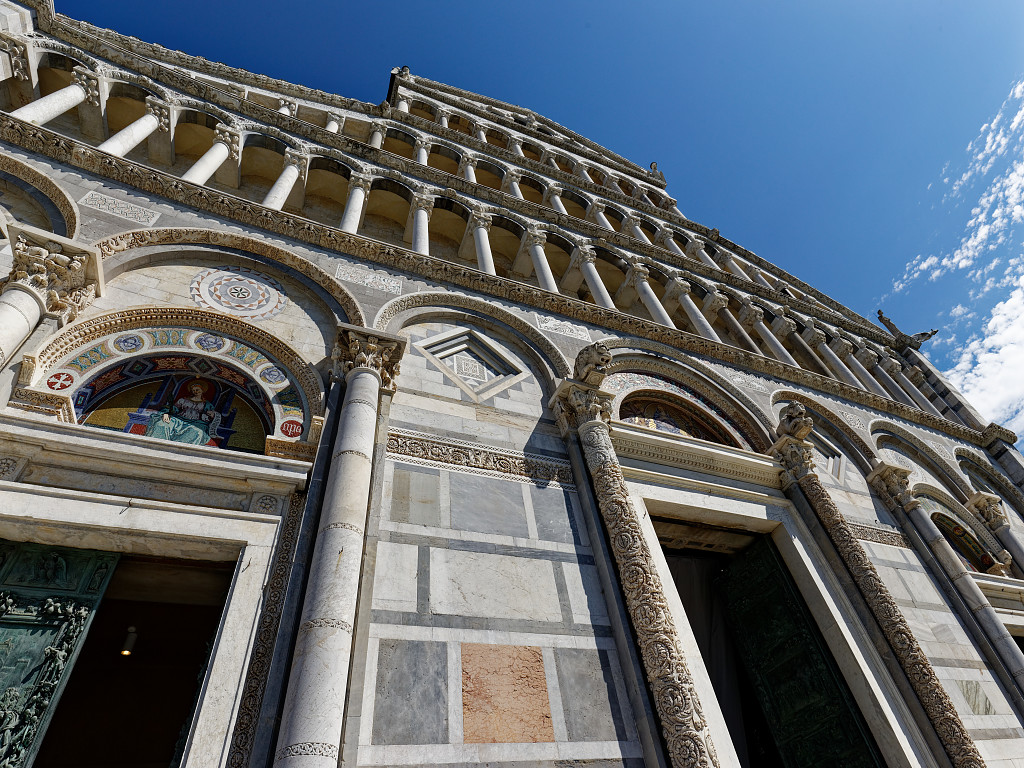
675	412
880	430
547	353
63	210
1000	484
125	241
856	446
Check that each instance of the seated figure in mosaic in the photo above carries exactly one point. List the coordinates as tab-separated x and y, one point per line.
188	420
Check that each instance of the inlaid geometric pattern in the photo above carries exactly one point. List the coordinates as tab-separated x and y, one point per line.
120	208
471	362
238	291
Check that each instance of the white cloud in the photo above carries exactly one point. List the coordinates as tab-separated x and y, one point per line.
958	311
990	368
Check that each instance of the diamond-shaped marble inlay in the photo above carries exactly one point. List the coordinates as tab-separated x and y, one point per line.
473	363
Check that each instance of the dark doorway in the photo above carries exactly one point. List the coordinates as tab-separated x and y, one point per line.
135	710
781	691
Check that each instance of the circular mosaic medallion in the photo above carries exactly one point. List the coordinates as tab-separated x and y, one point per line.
60	381
273	375
130	342
209	342
291	428
238	291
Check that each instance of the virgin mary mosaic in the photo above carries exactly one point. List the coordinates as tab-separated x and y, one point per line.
192	418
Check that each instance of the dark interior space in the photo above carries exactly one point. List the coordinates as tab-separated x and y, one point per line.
135	710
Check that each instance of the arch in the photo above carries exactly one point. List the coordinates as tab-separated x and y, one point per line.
576	204
447	229
140	82
489	174
325	192
997	480
855	445
423	109
549	352
880	429
675	414
978	541
49	46
750	422
445	157
60	202
194	105
386	212
183	236
532	188
400	143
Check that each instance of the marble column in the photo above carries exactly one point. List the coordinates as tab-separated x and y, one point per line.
467	168
581	407
403	104
358	192
816	339
678	293
888	369
419	213
480	226
516	145
47	276
334	123
442	117
595	212
798	341
861	363
960	408
226	143
648	297
479	131
915	391
422	151
667	241
510	184
378	132
989	509
631	226
581	170
314	708
294	163
752	317
84	88
533	242
552	198
695	250
724	260
582	268
799	478
128	138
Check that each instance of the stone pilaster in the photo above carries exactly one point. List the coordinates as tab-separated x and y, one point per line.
582	406
794	453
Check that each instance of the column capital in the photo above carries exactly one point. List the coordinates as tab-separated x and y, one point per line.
916	376
630	220
480	218
892	483
422	201
750	314
866	357
595	207
509	177
535	237
422	143
18	53
467	159
553	190
297	157
890	365
161	110
291	106
379	126
693	247
638	273
360	181
63	276
841	347
89	82
815	337
713	302
582	254
664	234
440	112
989	509
677	286
783	326
230	137
515	141
377	351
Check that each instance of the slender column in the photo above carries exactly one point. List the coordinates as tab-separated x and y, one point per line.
403	104
467	168
378	133
419	211
798	341
534	241
334	123
311	723
581	170
479	131
961	409
716	304
724	260
915	391
129	137
510	183
552	198
752	317
919	379
989	509
516	145
581	267
84	87
595	212
649	297
816	339
861	362
759	278
795	455
587	410
226	143
667	241
278	194
480	225
888	369
631	225
422	150
695	250
358	191
43	279
678	292
442	117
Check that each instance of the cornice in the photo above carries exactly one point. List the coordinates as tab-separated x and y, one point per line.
124	53
76	154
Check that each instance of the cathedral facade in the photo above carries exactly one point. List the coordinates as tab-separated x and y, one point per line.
433	433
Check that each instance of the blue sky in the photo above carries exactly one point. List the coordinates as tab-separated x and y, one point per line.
856	145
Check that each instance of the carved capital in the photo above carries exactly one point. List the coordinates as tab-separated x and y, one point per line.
796	458
359	348
18	53
714	302
750	314
677	287
380	127
841	347
468	160
89	82
297	158
230	137
553	190
814	337
595	208
582	254
637	273
535	237
161	110
866	357
360	181
891	366
783	326
893	485
422	143
480	219
422	201
291	106
510	177
989	509
916	376
629	221
693	248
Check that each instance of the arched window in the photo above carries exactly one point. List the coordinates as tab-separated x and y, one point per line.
971	552
667	415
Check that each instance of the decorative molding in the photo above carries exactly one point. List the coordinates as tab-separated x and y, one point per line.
363	276
315	748
795	454
889	536
65	205
686	732
59	406
189	236
417	445
842	425
120	208
288	449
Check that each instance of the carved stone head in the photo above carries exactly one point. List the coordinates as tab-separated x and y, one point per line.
794	422
592	359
